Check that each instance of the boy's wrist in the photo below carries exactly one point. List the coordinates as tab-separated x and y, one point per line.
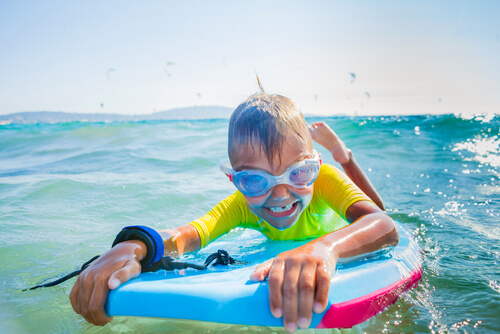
349	158
171	240
327	246
140	249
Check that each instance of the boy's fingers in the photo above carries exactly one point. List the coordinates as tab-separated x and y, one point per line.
262	271
96	306
275	282
290	292
73	297
314	125
307	284
322	288
86	288
130	270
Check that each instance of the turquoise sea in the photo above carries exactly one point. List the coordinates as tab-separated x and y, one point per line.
67	189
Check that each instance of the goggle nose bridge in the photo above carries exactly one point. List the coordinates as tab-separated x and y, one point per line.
282	179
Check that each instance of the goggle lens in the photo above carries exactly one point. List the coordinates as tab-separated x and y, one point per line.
251	183
302	176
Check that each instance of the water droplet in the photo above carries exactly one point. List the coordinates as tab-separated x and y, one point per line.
352	77
167	65
109	73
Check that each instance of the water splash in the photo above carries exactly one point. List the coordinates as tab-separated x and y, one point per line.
479	117
486	150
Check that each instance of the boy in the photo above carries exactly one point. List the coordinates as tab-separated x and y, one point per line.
284	192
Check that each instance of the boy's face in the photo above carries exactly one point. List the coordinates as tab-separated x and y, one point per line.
282	205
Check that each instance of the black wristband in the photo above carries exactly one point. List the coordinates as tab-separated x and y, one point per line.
151	238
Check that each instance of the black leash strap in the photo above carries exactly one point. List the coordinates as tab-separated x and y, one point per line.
166	263
221	256
67	277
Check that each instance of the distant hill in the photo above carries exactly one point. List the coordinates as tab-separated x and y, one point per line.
210	112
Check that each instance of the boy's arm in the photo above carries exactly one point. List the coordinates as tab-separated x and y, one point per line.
325	136
181	240
356	174
120	264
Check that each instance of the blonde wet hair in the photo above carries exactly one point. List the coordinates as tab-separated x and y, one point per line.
264	121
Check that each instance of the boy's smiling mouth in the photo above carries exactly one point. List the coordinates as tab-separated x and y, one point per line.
282	211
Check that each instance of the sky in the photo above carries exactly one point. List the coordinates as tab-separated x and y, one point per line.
330	57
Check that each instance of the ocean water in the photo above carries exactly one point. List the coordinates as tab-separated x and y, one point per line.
67	189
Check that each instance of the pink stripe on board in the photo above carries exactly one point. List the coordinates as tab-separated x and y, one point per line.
353	312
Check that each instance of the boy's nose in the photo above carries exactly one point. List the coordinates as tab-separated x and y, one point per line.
280	192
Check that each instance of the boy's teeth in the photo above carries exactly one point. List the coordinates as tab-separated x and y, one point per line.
282	208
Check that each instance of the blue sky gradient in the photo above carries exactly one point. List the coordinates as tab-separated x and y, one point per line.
415	57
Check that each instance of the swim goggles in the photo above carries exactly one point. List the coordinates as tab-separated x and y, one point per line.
255	183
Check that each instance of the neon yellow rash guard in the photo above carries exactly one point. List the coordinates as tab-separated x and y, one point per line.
333	194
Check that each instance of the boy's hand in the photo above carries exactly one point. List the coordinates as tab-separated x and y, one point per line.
118	265
299	280
325	136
